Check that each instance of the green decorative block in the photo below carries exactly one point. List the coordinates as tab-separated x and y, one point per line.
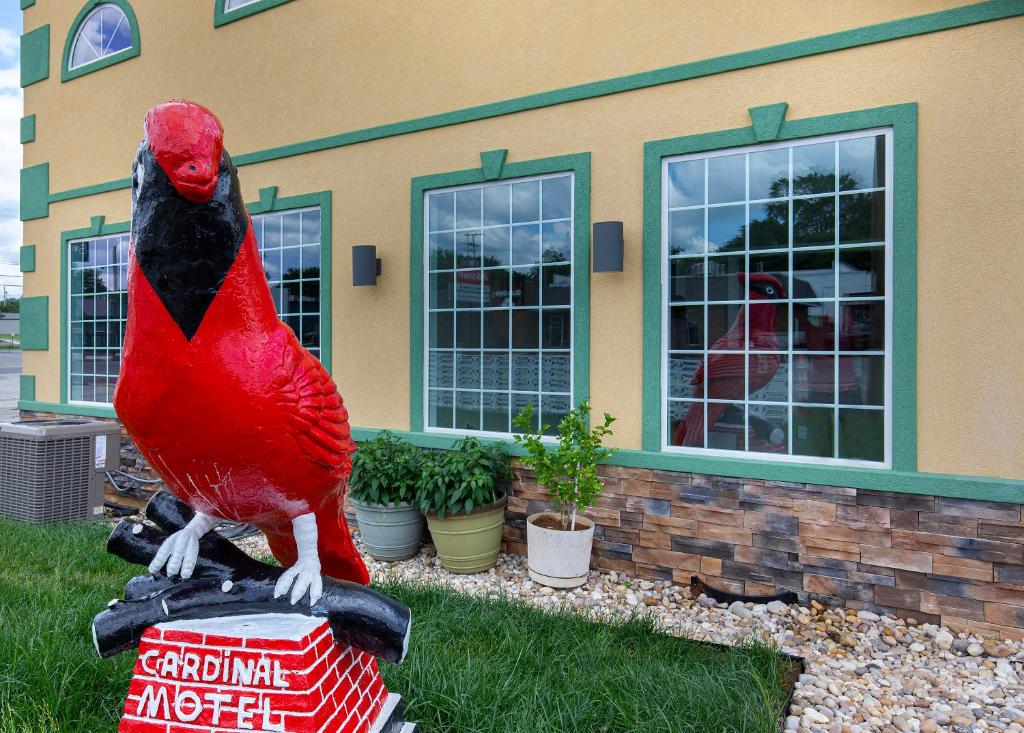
35	323
35	55
35	192
28	258
27	3
767	120
27	387
28	129
491	163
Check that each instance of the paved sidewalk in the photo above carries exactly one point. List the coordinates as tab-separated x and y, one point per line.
10	369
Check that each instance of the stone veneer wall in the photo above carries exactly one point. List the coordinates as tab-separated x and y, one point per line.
954	561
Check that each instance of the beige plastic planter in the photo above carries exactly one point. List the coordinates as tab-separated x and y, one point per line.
469	543
559	558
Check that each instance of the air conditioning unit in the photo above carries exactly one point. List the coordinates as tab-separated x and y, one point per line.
53	470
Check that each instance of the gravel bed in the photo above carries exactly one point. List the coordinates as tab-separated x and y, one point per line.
864	673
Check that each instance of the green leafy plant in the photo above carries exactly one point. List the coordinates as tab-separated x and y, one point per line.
463	478
568	469
385	470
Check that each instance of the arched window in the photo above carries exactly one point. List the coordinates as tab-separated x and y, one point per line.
104	33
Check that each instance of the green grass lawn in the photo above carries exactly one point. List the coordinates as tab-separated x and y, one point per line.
473	665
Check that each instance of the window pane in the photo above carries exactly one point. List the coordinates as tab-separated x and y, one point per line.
553	409
513	262
862	163
441	369
766	296
861	434
519	402
686	183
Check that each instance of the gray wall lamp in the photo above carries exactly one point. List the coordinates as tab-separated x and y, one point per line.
607	246
365	264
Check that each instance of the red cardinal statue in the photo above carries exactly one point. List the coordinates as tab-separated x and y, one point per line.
240	421
725	371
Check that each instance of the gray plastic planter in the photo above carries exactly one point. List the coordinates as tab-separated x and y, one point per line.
390	532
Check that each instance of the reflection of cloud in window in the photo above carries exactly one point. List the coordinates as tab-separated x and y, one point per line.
104	32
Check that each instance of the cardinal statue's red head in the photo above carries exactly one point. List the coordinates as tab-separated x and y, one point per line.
186	140
763	285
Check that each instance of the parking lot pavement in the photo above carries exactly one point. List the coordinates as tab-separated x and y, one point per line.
10	369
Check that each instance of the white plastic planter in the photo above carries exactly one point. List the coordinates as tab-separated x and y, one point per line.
559	558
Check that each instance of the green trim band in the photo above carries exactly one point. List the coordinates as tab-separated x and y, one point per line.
579	165
222	16
26	387
28	129
902	119
67	73
980	488
35	55
63	408
891	30
27	258
35	323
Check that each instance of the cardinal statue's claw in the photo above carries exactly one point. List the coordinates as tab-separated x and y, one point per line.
180	550
305	574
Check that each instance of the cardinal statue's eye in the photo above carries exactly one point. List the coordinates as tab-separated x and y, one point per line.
769	290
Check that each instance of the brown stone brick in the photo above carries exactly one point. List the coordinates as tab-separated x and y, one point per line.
610	501
951	605
719	583
514	548
837	587
980	509
888	557
711	566
612	485
670	525
611	563
642	474
761	494
761	556
658	490
628	537
903	519
876	569
653	572
815	561
655	540
948	525
607	517
860	576
857	515
997	593
933	584
969	547
759	589
830	548
681	577
667	558
771	523
998	613
516	504
982	629
671	477
778	542
631	520
961	567
842	533
895	500
721	533
814	511
1009	574
716	515
635	487
991	529
898	597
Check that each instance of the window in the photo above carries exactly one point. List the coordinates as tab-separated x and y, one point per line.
105	31
227	11
97	310
499	303
230	5
289	242
777	264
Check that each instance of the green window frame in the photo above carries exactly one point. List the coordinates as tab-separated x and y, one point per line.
67	73
902	120
494	169
222	16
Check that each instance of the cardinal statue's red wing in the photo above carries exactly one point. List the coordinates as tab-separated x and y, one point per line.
316	414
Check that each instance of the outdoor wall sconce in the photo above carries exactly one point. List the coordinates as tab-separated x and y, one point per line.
365	264
607	246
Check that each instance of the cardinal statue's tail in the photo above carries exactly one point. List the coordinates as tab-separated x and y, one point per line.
690	430
338	555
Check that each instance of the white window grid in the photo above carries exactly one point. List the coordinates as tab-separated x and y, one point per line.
789	352
548	404
230	5
292	236
103	47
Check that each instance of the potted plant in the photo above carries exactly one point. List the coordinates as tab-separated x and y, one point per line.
461	494
383	488
558	544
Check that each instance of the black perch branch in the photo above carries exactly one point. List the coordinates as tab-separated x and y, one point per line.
227	582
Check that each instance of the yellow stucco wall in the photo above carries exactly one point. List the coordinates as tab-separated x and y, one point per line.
970	216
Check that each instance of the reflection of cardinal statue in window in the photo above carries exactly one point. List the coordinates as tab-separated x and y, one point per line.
725	371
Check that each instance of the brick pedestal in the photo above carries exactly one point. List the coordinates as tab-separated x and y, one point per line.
267	672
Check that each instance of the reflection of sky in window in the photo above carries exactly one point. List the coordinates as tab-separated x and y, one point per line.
686	183
106	31
861	162
236	4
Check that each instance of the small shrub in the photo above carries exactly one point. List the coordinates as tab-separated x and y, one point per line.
463	478
568	470
385	470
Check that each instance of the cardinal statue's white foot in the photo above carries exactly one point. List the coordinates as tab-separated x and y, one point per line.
180	550
305	573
